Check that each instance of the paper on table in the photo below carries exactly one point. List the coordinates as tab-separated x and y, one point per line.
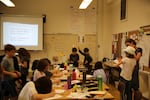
61	84
64	77
58	91
97	92
87	76
77	95
75	81
54	97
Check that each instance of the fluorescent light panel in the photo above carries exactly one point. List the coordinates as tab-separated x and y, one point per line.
85	4
8	3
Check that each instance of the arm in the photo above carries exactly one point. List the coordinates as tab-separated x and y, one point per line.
42	96
81	52
138	53
138	56
13	74
119	63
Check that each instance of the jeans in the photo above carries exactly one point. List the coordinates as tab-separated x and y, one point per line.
127	92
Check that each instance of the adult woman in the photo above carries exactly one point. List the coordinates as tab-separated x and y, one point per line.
135	75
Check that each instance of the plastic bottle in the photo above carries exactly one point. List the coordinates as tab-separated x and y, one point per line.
69	81
99	78
73	74
65	66
84	77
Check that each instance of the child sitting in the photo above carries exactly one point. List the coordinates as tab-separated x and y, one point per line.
38	90
99	71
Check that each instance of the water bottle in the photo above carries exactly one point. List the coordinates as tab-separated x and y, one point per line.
73	74
84	77
99	78
69	81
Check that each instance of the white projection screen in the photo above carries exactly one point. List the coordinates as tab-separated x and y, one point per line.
22	31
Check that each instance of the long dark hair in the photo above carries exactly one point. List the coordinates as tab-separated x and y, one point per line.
42	64
98	65
22	52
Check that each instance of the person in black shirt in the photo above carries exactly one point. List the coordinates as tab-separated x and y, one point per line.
87	59
74	57
24	62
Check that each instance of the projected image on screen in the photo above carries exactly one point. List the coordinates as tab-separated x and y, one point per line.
21	31
20	34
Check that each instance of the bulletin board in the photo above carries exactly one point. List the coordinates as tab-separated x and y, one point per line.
142	39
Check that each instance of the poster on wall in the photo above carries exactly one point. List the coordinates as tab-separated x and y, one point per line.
115	37
123	46
81	38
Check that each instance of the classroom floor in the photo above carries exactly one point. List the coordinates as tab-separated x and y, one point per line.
116	93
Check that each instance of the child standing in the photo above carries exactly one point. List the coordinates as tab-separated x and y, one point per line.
9	73
74	57
127	71
87	59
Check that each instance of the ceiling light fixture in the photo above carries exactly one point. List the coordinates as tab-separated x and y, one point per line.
8	3
85	4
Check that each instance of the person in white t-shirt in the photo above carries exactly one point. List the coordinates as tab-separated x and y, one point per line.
41	68
128	64
38	90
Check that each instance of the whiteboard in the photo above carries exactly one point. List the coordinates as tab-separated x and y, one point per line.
144	43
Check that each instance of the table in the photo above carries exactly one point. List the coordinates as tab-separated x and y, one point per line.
112	72
68	94
62	93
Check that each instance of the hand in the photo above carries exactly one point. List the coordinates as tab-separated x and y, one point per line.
14	75
18	74
79	48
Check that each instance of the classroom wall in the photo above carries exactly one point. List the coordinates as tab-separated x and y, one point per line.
65	23
103	17
138	14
